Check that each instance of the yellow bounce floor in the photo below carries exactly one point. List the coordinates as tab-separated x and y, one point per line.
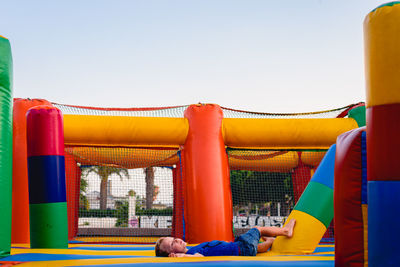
83	254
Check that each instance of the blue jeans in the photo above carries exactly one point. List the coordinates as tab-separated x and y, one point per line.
248	242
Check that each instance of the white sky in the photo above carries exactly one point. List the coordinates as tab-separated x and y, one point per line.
257	55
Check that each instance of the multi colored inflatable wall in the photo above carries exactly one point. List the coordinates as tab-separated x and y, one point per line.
201	136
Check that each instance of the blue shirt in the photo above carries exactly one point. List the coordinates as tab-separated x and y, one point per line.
215	248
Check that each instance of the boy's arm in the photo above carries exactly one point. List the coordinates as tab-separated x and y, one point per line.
185	255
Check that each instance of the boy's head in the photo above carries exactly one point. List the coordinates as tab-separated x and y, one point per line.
167	245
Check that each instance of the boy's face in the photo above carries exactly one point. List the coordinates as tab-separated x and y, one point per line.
173	245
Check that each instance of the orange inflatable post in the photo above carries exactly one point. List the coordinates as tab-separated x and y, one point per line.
207	191
20	196
73	181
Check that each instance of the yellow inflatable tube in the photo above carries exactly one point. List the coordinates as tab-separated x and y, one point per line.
285	133
124	131
172	132
277	162
124	158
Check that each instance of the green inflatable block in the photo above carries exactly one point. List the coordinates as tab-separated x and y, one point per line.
317	201
358	114
49	225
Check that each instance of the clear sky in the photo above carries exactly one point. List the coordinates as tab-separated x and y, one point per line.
257	55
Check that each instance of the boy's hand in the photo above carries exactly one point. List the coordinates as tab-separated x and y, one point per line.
184	255
174	255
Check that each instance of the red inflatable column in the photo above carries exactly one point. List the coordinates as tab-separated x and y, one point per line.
73	182
208	197
350	199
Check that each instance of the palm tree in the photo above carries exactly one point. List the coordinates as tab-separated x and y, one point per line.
104	172
83	202
149	172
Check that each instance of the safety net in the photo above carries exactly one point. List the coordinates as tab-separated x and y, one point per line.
126	194
266	185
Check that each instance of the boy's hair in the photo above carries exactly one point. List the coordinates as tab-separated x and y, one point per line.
159	251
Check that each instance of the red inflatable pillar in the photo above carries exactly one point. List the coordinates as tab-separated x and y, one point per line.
46	178
207	191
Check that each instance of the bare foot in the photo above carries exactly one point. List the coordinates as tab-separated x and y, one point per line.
289	228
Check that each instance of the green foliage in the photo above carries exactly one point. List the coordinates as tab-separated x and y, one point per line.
132	193
122	214
84	185
97	213
154	212
83	201
238	180
259	187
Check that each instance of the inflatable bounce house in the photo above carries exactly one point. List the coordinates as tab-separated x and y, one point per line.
89	186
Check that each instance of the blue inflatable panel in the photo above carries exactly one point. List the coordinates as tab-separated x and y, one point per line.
324	249
232	264
364	180
57	257
383	223
325	171
114	248
46	175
